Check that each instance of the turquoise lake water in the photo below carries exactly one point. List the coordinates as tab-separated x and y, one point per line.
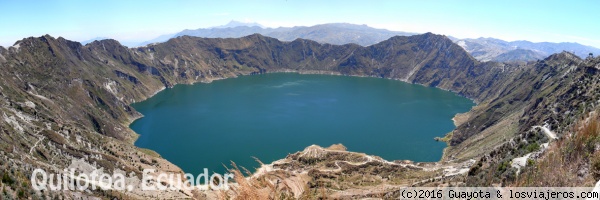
271	115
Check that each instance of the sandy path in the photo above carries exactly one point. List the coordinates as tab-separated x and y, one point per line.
547	131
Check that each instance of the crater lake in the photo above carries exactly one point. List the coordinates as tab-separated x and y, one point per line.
267	116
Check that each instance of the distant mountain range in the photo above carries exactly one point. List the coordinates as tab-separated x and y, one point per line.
486	49
93	39
335	33
233	24
483	49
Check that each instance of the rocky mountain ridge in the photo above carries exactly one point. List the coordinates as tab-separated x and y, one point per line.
62	100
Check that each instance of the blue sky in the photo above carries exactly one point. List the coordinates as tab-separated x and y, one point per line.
137	21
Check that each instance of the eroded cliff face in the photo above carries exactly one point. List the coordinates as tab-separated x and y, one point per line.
63	101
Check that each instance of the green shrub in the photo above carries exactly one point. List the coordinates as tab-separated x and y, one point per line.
6	179
532	147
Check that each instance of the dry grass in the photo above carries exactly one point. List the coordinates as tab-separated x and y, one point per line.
267	186
571	161
337	147
484	142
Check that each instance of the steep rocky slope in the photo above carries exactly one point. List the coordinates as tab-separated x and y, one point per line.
64	101
561	94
